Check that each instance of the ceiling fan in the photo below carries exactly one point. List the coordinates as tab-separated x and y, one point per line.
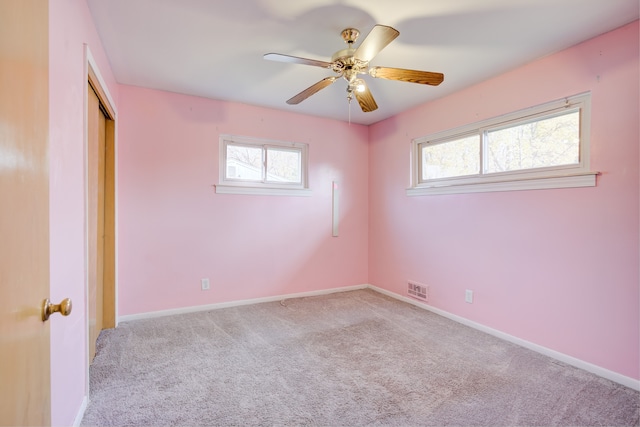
351	62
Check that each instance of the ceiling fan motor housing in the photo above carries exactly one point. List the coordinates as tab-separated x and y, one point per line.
344	63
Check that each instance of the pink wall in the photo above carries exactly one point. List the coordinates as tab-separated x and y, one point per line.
555	267
70	27
558	268
174	229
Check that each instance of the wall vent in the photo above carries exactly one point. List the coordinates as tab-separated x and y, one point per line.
418	291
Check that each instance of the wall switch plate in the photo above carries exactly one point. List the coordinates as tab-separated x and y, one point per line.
468	296
205	284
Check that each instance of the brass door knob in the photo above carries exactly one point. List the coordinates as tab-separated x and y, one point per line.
48	308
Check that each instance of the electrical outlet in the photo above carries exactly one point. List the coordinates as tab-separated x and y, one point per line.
468	296
205	284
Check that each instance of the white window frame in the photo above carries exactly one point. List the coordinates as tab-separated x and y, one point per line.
565	176
264	187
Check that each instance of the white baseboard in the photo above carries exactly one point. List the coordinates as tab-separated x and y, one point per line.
80	414
193	309
569	360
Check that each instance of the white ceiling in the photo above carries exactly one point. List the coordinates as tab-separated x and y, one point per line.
214	48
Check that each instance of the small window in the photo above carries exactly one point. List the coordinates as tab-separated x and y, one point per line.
284	165
541	147
254	166
456	157
546	142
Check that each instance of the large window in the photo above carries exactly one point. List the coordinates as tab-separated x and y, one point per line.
542	147
254	166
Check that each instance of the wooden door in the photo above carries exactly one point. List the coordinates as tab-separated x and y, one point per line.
100	209
96	128
24	213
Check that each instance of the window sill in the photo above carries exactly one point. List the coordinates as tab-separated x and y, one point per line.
262	191
587	179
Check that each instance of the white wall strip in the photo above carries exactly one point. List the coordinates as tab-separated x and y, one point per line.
336	208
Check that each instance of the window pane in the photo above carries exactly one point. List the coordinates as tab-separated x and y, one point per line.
244	162
284	165
548	142
459	157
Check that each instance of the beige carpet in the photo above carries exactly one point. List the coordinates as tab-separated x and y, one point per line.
345	359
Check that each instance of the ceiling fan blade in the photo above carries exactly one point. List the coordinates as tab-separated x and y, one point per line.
311	90
365	99
297	60
412	76
377	39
